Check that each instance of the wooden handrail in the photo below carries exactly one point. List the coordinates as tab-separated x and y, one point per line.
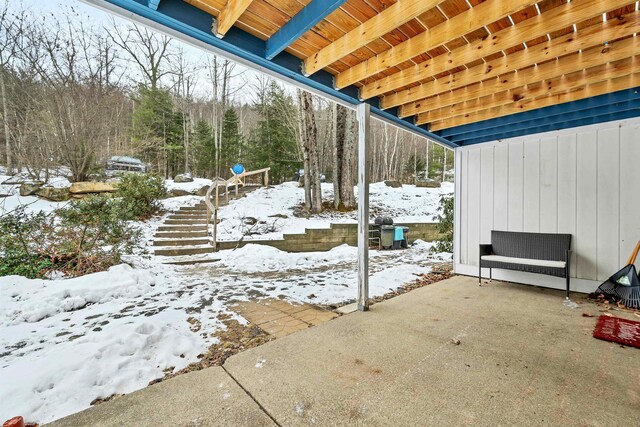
236	180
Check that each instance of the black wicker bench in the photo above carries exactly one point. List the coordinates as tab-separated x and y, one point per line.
541	253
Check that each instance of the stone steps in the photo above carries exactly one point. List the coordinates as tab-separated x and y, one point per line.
181	242
188	216
184	250
180	234
182	221
177	227
188	260
185	232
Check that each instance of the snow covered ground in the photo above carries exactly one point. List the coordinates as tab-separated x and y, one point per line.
67	342
31	204
274	206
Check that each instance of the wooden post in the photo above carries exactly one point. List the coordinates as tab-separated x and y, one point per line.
266	178
364	145
215	220
209	218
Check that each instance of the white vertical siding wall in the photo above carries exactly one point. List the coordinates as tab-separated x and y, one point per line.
583	181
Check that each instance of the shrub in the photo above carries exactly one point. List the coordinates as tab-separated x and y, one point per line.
140	195
22	237
88	236
445	225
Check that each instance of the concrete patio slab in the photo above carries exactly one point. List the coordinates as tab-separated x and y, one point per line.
203	398
449	354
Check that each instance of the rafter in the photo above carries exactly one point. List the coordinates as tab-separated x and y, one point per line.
568	64
230	14
553	20
463	23
299	24
384	22
570	43
595	86
522	96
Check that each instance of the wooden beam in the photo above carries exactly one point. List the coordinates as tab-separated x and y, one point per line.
602	87
568	64
230	14
461	24
570	43
384	22
523	95
364	153
299	24
555	19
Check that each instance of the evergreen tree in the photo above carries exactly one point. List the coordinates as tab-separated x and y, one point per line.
204	149
415	167
157	130
273	143
231	141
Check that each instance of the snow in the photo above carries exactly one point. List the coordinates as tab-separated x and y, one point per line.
191	187
31	204
273	208
25	300
257	258
175	203
67	342
121	359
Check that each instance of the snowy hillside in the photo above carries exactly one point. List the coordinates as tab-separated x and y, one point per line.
274	206
67	342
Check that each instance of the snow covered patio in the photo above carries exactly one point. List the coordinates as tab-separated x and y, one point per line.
522	359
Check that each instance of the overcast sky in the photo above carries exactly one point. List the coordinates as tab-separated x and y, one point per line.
100	18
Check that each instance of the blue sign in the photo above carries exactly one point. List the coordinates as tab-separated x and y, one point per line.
237	169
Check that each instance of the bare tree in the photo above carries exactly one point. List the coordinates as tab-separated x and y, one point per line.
11	41
149	50
184	81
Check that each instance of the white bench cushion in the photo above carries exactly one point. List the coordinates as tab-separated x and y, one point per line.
527	261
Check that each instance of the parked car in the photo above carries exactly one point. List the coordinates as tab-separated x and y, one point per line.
125	164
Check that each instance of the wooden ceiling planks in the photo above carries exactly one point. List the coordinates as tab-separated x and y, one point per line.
555	68
586	38
607	83
388	21
451	62
519	98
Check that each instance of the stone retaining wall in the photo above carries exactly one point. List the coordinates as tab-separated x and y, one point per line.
324	239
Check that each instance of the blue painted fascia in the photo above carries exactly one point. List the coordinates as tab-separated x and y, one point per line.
302	22
589	120
542	113
195	23
153	4
557	119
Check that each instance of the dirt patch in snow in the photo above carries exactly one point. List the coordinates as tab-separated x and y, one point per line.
234	339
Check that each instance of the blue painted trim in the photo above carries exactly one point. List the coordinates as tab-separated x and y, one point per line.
306	19
613	116
557	119
195	23
153	4
542	113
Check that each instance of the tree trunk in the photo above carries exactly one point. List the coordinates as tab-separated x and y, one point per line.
305	152
309	135
5	120
344	139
